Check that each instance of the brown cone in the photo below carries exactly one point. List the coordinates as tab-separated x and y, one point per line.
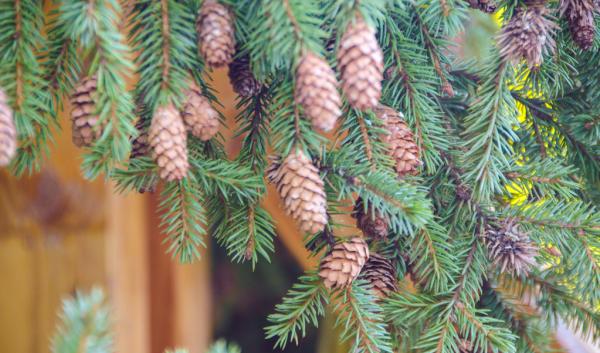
8	132
528	34
580	15
316	91
343	264
301	189
240	75
84	121
381	275
487	6
402	147
510	249
140	147
168	139
360	62
200	118
216	33
374	227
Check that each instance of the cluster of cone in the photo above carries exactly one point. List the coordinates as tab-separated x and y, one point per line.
529	33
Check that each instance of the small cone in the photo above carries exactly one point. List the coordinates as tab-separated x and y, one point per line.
343	264
241	78
168	140
302	190
140	147
528	34
487	6
510	249
374	227
8	132
402	148
360	62
84	121
200	118
216	33
316	91
580	15
381	275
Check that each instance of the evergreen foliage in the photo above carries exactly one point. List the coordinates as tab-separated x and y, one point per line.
498	141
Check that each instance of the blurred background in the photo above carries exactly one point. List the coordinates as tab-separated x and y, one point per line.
59	233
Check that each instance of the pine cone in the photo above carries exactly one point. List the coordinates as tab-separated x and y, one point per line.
528	34
240	75
343	264
381	275
316	91
510	249
402	147
360	62
169	143
487	6
84	121
374	227
200	118
580	15
216	33
8	132
301	189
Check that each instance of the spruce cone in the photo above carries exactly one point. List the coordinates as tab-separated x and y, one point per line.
402	147
487	6
8	132
510	249
381	275
200	118
84	122
580	15
301	189
374	227
240	75
316	91
169	143
528	34
216	33
343	264
360	62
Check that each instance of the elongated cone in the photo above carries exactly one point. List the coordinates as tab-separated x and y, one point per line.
528	34
84	122
343	264
401	145
168	139
380	274
373	226
360	62
241	78
8	132
509	248
216	33
200	118
316	91
301	189
580	15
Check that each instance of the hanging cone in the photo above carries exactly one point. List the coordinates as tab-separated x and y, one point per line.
374	227
580	15
510	249
241	78
168	140
381	275
316	91
487	6
216	34
360	62
343	264
401	146
84	121
200	118
302	190
8	132
528	34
